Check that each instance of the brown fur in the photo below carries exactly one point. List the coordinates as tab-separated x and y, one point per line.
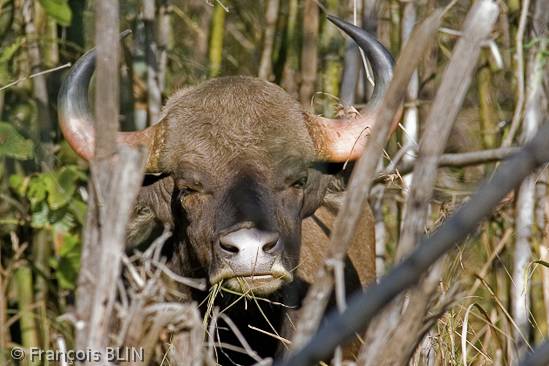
314	244
314	241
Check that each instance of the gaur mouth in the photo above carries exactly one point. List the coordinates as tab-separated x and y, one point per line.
260	284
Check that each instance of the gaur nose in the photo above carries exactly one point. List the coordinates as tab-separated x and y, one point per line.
252	243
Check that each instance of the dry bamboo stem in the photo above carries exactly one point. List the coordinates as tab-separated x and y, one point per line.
393	328
455	82
359	186
115	180
534	113
363	307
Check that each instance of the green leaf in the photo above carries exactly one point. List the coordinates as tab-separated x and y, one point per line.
78	172
61	219
7	53
39	216
60	187
36	192
79	209
69	262
58	10
19	183
58	220
14	145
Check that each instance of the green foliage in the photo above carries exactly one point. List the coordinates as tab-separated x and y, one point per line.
58	10
54	204
67	262
13	145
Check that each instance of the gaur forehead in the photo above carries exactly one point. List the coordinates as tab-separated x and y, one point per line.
225	117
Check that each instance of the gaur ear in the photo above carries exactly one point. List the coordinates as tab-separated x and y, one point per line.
315	190
152	209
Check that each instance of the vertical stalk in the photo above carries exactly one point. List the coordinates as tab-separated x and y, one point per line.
154	93
51	49
369	23
486	107
41	252
266	62
292	50
106	96
410	118
535	111
331	44
29	331
309	50
544	251
164	40
352	62
40	91
3	312
395	26
519	73
216	43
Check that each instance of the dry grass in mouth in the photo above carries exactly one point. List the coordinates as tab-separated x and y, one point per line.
212	314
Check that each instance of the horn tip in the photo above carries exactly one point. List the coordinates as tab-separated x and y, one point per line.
125	33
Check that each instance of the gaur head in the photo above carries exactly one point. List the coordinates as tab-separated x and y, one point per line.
231	165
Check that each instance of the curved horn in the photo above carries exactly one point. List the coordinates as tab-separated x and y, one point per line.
344	139
76	119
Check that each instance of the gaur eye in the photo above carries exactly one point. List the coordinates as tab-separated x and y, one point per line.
186	191
187	188
300	183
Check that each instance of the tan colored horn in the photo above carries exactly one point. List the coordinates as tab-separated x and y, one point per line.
76	119
344	139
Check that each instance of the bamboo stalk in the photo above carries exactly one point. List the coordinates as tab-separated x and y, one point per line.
399	324
51	45
216	43
164	41
410	119
154	93
291	63
41	250
535	111
332	66
457	77
4	333
360	183
309	50
40	91
486	107
519	73
266	62
29	330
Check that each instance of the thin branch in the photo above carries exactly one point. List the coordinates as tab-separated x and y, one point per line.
456	160
68	64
